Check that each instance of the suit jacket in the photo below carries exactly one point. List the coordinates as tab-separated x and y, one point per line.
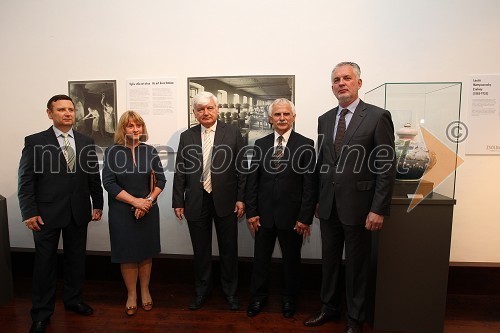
228	171
281	196
362	177
46	187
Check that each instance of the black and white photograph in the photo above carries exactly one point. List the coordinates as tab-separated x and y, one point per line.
95	109
243	100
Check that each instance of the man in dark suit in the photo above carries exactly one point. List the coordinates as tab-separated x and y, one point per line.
281	196
356	170
58	175
209	184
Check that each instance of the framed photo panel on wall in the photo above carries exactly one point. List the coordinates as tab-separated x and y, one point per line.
243	100
95	109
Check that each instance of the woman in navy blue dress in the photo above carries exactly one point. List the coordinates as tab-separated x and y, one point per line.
134	219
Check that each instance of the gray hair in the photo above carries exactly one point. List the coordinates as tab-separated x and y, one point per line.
280	101
354	66
203	98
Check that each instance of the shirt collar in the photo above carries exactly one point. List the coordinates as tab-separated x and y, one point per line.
351	107
58	132
286	135
212	128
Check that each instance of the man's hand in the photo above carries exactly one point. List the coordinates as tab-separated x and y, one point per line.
302	229
33	223
179	212
239	208
254	224
374	221
316	210
96	214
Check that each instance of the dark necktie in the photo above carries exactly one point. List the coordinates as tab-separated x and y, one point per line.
339	136
278	152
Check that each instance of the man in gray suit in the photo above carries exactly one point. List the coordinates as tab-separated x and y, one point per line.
209	184
356	170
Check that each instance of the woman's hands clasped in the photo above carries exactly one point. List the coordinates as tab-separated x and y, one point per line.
142	207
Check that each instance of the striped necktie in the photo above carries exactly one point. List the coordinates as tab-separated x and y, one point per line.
278	152
68	152
207	157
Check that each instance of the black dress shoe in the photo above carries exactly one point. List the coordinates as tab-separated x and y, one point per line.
80	308
322	317
234	303
352	329
38	326
254	308
288	309
197	302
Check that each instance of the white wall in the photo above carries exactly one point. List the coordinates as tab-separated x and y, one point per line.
46	43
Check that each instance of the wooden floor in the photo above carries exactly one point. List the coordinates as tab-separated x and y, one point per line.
465	313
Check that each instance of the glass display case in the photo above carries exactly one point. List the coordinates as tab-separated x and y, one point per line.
425	117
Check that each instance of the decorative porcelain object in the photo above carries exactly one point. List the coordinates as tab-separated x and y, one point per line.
412	157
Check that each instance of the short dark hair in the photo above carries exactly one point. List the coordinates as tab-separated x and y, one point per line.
58	98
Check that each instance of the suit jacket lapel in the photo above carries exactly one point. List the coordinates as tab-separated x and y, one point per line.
220	131
78	145
51	139
267	151
290	145
328	139
196	137
78	142
356	120
196	134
